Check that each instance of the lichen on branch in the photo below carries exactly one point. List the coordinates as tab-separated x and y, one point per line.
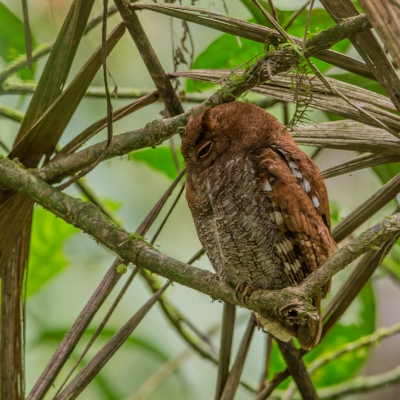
291	305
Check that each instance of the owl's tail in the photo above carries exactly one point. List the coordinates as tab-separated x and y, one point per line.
276	328
309	335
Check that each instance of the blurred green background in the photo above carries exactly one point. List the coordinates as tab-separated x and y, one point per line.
66	265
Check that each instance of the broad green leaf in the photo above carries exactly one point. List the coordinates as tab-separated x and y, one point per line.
230	52
46	257
12	39
226	52
159	159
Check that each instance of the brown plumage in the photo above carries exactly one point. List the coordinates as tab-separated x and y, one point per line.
259	204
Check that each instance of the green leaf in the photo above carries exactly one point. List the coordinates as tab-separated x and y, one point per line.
46	257
226	52
12	39
159	159
230	52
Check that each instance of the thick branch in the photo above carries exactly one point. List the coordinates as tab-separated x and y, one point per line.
292	304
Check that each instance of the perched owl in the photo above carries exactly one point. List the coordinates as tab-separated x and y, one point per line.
259	204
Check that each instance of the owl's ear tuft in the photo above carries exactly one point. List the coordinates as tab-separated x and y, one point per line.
204	119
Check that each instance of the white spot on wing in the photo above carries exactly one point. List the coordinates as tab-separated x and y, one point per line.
306	185
315	201
297	173
295	169
278	217
267	187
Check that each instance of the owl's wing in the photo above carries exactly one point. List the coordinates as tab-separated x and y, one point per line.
299	206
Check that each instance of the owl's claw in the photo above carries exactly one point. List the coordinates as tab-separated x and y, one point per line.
238	289
246	291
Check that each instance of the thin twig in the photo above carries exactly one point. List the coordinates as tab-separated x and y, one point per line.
92	368
267	363
232	382
98	329
155	236
28	36
74	334
303	45
160	79
295	14
228	325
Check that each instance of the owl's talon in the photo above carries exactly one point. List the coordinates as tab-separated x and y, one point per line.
248	290
236	293
238	289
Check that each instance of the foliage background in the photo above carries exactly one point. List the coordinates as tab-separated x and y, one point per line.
66	265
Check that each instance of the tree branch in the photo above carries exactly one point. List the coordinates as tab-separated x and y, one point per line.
263	34
292	305
157	131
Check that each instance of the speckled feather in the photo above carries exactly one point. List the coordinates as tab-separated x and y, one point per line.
259	203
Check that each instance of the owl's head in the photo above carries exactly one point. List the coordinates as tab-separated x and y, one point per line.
226	130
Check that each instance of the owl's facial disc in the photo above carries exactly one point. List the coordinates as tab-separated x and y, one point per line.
205	149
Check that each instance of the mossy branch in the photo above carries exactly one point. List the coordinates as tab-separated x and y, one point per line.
157	131
291	305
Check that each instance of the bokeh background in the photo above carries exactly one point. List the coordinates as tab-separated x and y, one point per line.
67	265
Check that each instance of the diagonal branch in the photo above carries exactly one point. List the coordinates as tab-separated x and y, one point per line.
369	48
160	79
263	34
291	305
158	131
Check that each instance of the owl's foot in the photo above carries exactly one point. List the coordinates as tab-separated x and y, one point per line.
245	290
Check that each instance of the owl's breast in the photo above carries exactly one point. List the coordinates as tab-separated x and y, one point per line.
234	227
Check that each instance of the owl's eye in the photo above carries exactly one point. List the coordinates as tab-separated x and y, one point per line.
205	149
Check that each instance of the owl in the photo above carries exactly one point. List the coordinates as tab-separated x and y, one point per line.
259	204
